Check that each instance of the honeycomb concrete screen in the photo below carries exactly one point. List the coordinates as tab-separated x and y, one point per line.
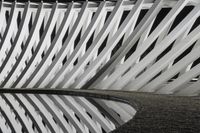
131	48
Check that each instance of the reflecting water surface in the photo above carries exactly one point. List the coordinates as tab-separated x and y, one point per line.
61	113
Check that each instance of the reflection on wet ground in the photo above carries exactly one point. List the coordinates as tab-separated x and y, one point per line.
52	113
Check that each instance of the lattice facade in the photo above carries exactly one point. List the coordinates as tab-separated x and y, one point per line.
140	45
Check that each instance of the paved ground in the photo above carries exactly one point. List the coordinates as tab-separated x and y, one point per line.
159	113
155	113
